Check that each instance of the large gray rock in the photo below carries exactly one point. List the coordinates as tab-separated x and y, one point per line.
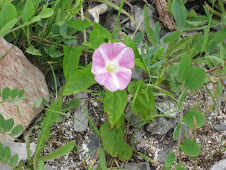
221	165
16	71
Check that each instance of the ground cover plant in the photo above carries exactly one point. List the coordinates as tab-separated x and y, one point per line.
50	31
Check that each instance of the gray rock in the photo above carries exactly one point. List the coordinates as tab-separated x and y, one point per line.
221	165
94	144
137	74
17	148
136	166
134	120
139	17
81	124
221	126
47	167
161	125
168	108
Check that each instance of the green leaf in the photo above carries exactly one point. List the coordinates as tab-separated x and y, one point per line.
179	166
46	13
102	159
219	89
176	131
45	128
114	105
172	37
14	159
38	102
138	39
73	104
195	79
188	119
79	81
170	158
41	165
179	13
14	93
7	14
113	142
157	33
223	18
16	130
79	24
212	57
8	125
190	148
71	61
104	32
211	46
143	105
64	150
149	30
184	67
6	93
28	11
6	154
95	39
33	51
21	93
129	43
175	85
7	27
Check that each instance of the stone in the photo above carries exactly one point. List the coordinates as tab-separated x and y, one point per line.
219	127
168	108
17	148
139	18
82	124
16	71
136	166
92	145
221	165
137	74
161	125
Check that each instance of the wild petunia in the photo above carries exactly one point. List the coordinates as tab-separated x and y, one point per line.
112	64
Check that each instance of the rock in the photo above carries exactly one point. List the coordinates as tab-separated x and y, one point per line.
168	108
16	71
139	17
221	165
137	74
134	120
219	127
17	148
92	145
82	125
161	125
136	166
60	79
47	167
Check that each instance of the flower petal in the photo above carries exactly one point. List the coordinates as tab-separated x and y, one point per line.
127	59
109	81
124	77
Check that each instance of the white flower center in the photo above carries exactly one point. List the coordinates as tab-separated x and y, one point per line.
112	68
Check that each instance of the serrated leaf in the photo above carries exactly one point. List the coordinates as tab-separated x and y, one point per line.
113	142
195	79
169	160
190	148
33	51
28	11
64	150
114	105
188	119
6	93
179	13
46	13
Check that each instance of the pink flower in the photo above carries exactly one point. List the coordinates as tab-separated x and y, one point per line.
112	64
